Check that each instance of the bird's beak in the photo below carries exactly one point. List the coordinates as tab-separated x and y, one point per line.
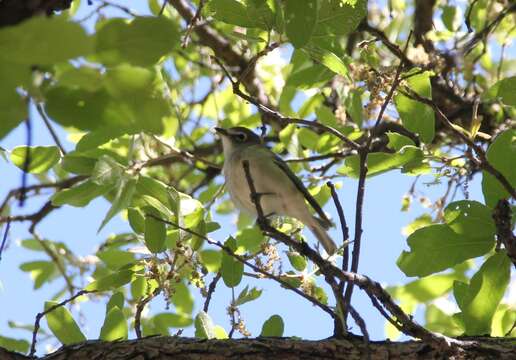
221	131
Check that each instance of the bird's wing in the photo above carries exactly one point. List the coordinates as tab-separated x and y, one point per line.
301	187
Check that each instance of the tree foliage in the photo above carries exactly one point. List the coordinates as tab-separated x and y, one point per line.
342	88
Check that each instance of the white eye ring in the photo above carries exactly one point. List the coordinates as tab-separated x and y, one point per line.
241	137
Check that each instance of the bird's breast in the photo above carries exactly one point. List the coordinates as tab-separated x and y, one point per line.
272	186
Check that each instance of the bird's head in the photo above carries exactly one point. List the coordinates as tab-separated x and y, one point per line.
237	137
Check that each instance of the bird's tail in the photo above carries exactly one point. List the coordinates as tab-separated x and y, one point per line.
318	228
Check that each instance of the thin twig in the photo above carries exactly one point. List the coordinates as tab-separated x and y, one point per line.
266	274
468	16
284	120
40	315
363	328
35	218
211	290
51	130
163	6
55	260
334	155
62	184
393	48
345	257
192	23
26	162
372	288
4	238
363	154
482	34
139	308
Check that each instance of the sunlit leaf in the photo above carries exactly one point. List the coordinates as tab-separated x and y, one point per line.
484	293
40	158
115	325
274	326
62	324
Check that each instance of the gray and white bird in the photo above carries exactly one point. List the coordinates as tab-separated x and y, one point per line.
283	193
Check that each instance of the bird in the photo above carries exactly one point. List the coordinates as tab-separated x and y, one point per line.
282	193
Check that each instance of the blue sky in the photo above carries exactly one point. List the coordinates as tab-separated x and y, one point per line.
77	227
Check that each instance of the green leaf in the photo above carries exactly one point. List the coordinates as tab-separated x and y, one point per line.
107	171
249	240
17	345
204	327
338	17
41	158
300	20
211	259
163	321
247	295
136	220
297	261
138	287
62	324
501	154
251	14
418	223
425	289
274	326
115	326
354	106
484	293
79	108
305	74
83	77
125	80
115	259
415	116
470	218
143	41
167	196
452	17
182	299
231	269
308	138
439	321
116	300
398	141
155	234
13	106
191	210
111	281
505	90
437	247
77	163
79	195
40	271
380	162
43	40
124	194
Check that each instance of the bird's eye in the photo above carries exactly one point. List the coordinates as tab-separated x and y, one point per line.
241	137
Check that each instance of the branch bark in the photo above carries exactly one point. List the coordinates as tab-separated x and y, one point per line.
177	348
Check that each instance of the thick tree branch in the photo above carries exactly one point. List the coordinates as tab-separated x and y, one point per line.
177	348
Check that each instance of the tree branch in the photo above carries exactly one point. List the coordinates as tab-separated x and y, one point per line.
484	163
40	315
